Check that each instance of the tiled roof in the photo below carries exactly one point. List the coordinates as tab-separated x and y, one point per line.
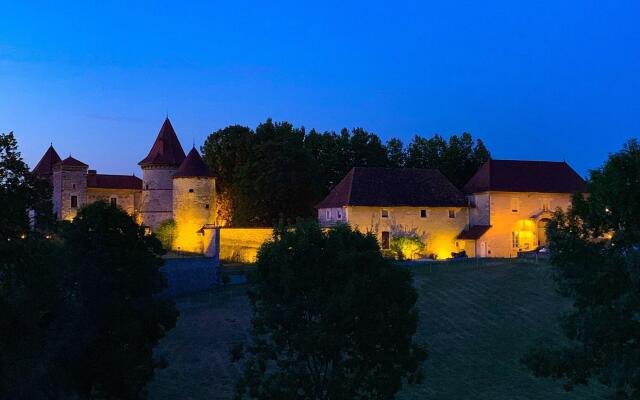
103	181
192	166
71	162
371	186
46	163
474	233
166	150
525	176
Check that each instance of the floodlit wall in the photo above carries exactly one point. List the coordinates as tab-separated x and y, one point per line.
193	208
520	213
157	195
242	244
437	230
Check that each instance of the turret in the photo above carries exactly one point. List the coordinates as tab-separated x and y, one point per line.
69	187
158	169
44	168
193	204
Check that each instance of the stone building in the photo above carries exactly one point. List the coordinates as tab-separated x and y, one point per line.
389	202
511	202
173	186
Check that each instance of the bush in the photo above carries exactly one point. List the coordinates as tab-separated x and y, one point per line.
166	233
406	245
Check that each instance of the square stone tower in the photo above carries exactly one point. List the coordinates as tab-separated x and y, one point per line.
69	187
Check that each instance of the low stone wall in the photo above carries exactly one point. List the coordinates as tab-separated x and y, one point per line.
189	275
242	244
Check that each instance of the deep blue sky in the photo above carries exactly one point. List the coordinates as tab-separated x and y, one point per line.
547	80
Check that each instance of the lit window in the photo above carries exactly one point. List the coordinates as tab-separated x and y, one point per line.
114	202
74	201
339	213
384	213
515	204
384	240
423	213
515	239
452	213
328	214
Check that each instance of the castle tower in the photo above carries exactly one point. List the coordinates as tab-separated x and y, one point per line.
158	169
193	204
44	168
69	187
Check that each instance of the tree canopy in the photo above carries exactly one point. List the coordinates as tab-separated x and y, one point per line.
278	172
332	319
595	247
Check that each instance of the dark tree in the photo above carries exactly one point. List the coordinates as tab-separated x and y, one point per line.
458	159
396	153
280	181
367	150
113	286
595	248
225	151
332	319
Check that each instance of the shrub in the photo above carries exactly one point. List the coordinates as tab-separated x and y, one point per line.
166	233
406	245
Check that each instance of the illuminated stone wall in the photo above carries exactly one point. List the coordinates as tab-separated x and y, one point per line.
437	230
127	199
193	208
525	220
157	195
67	182
242	244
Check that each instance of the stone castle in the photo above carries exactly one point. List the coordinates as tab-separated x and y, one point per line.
174	186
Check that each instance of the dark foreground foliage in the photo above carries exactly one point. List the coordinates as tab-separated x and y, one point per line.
332	319
596	249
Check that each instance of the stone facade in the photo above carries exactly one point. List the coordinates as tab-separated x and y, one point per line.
438	227
69	190
193	208
157	194
517	219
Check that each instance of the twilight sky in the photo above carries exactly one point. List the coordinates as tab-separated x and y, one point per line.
548	80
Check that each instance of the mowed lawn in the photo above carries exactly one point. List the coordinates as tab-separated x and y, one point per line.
477	320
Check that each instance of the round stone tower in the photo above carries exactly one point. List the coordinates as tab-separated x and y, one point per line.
193	204
158	169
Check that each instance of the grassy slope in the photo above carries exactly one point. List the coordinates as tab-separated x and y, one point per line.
476	321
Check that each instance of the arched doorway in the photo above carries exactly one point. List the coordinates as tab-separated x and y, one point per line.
542	232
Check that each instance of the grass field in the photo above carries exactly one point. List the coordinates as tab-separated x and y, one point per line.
475	319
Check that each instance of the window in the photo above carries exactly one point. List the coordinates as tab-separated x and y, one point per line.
73	185
74	201
452	213
384	242
114	202
328	214
546	204
384	213
515	240
206	206
146	186
515	204
339	213
423	213
190	190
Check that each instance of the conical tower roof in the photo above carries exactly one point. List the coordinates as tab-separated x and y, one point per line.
193	166
166	150
46	163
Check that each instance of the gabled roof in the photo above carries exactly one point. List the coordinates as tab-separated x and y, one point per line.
192	166
372	186
166	150
525	176
474	232
71	162
46	163
104	181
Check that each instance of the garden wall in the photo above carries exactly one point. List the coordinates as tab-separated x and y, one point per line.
242	244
